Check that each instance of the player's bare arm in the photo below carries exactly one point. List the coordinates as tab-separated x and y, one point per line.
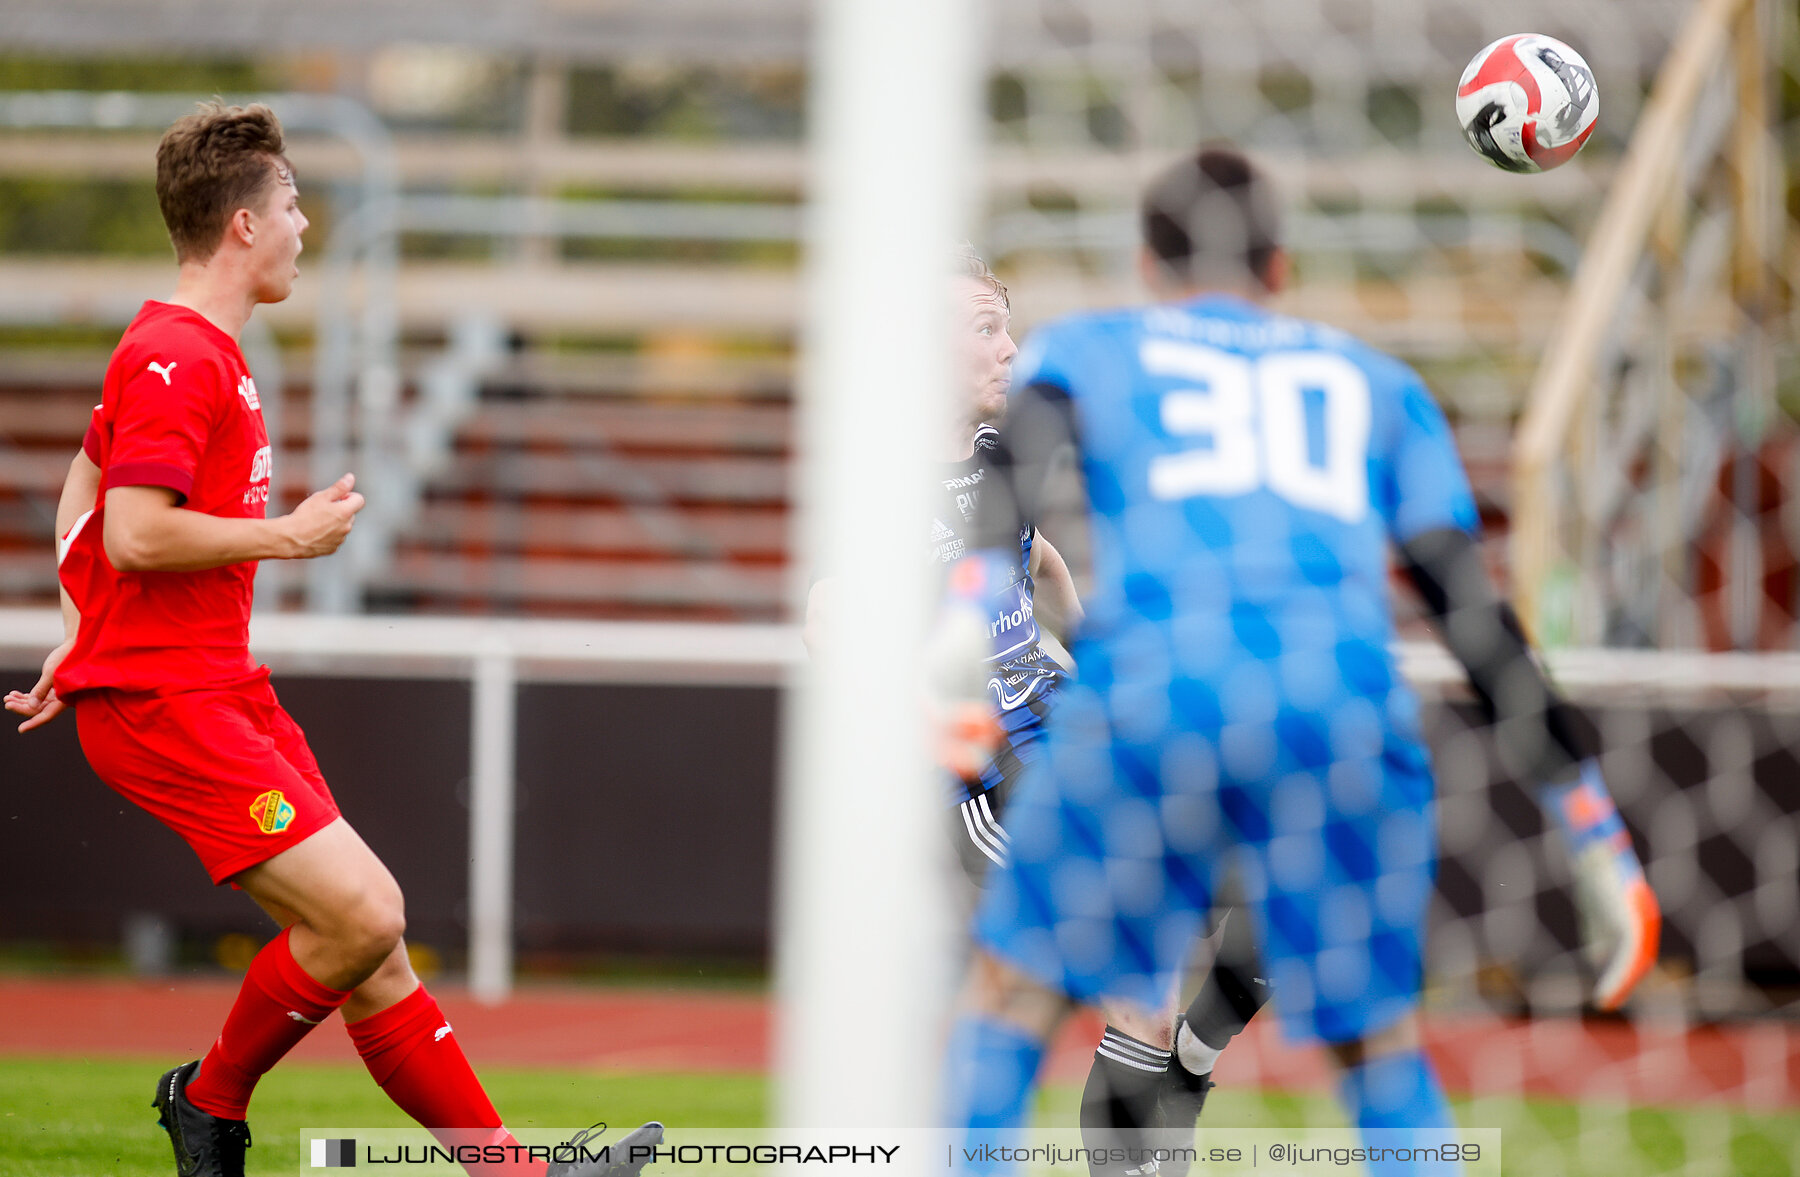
146	530
80	490
1058	605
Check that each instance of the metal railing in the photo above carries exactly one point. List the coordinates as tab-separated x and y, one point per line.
1651	259
497	657
494	657
351	349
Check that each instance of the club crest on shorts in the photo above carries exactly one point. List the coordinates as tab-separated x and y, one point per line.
272	812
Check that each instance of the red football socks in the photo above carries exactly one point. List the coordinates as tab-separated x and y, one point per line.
276	1007
411	1051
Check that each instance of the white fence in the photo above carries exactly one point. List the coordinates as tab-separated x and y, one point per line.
494	656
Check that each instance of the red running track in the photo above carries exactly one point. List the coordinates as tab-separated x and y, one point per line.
1751	1065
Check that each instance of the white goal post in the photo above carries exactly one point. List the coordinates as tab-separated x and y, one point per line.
863	944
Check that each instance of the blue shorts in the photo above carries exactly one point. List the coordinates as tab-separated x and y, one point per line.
1120	832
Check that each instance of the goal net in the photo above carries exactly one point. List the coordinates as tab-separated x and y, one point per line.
1698	1075
1695	1076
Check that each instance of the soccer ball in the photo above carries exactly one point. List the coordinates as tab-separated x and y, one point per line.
1527	103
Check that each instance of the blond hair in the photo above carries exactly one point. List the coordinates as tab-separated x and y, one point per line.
967	263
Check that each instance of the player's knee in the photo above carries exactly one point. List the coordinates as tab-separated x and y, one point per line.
1153	1027
386	925
1403	1035
374	941
387	930
999	990
375	927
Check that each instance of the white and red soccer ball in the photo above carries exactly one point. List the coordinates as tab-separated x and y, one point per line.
1527	103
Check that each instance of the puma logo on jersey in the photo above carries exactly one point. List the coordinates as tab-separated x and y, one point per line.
247	390
441	1031
162	371
299	1017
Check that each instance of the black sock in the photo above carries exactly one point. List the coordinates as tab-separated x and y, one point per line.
1118	1107
1181	1096
1228	999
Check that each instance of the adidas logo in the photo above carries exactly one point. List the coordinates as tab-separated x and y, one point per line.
939	532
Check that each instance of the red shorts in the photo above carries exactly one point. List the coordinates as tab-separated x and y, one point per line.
225	768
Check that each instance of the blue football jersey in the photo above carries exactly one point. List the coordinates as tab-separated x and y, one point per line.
1245	472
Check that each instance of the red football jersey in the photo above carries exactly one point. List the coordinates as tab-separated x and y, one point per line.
179	410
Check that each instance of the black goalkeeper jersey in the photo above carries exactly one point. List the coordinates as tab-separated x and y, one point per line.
1021	669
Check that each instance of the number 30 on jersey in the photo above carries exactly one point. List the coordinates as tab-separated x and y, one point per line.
1295	423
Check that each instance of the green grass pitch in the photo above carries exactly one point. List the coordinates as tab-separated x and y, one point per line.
74	1118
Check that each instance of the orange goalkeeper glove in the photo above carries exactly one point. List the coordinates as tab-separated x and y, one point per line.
957	668
968	737
1620	919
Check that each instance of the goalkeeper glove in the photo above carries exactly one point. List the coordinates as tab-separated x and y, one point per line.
956	666
967	736
1620	918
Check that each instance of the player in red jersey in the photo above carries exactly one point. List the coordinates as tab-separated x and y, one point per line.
162	521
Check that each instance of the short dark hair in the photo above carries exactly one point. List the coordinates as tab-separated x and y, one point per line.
1210	214
210	164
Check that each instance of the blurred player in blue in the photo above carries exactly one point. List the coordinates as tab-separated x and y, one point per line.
1135	1082
1239	477
1139	1081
